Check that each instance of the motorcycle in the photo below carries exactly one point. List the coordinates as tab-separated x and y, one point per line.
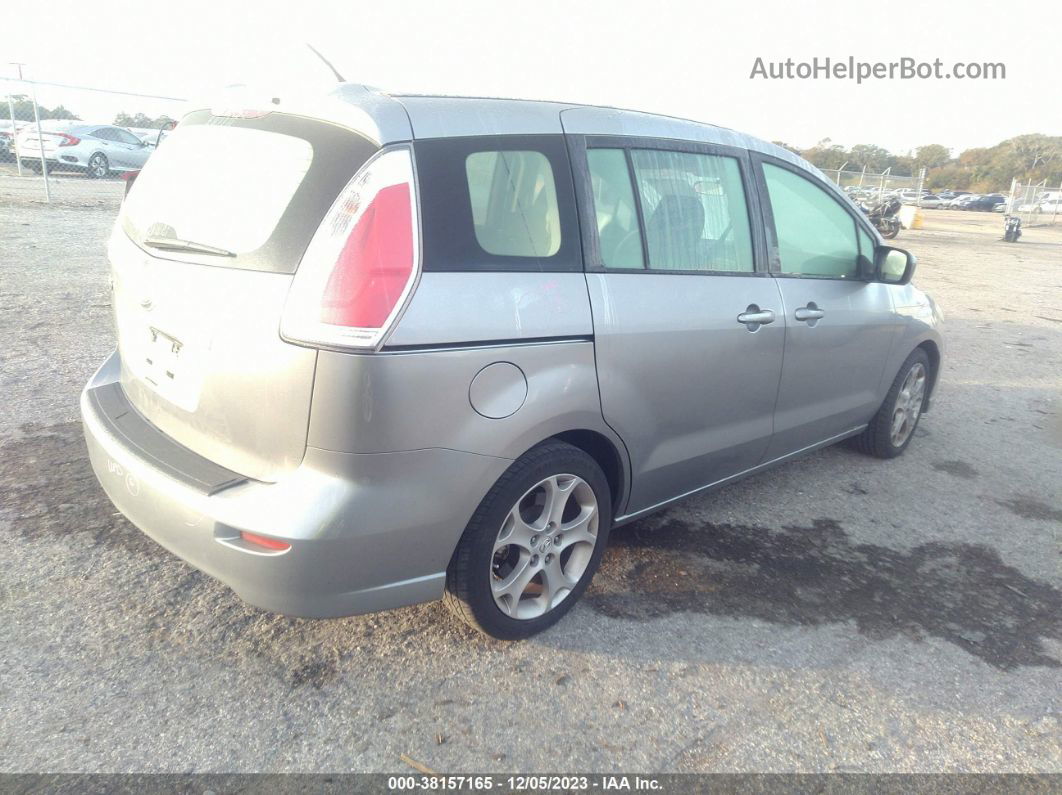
1011	228
883	215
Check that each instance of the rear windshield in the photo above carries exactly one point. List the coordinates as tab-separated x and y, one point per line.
255	188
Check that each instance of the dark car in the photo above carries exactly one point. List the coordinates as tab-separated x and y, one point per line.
984	204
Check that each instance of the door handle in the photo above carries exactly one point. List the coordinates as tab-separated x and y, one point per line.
754	317
809	314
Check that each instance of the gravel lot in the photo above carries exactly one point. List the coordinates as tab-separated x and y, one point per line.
837	614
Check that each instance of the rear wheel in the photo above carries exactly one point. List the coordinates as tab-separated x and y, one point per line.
893	427
533	544
98	167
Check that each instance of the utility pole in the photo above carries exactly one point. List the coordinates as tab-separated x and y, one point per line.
40	137
11	115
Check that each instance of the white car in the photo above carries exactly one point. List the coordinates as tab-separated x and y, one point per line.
96	149
8	130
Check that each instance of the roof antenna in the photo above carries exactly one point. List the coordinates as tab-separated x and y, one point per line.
327	63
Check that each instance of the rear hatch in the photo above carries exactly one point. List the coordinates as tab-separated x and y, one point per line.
201	258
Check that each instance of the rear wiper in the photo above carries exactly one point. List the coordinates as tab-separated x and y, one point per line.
175	244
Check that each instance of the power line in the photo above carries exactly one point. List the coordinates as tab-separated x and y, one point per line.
90	88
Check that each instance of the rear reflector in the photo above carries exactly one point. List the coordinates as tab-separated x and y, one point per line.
262	541
362	262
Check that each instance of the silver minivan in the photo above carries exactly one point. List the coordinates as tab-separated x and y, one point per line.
378	349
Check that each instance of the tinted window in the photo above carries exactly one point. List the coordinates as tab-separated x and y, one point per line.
497	203
246	201
106	133
694	211
208	185
816	235
514	203
618	232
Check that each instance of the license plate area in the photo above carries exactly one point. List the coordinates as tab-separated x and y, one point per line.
166	365
161	358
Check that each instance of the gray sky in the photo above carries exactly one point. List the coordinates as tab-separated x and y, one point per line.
689	59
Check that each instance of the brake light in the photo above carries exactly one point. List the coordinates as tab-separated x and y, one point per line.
240	113
69	140
362	262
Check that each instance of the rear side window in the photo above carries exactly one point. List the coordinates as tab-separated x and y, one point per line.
125	137
618	233
694	208
514	203
497	203
816	235
257	188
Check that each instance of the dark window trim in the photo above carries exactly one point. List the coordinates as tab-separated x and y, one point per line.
448	236
578	146
639	213
863	274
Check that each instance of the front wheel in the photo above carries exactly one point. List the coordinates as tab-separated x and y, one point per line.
893	427
889	230
533	545
98	167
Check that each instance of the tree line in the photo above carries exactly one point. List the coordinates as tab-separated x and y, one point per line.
1029	158
23	108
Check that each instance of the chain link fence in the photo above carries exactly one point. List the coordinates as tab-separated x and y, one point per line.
870	188
1037	204
72	144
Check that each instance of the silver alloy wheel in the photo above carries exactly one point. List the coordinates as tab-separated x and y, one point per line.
98	166
908	404
544	546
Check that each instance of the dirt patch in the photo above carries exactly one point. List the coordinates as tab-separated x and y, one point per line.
1031	508
811	575
959	469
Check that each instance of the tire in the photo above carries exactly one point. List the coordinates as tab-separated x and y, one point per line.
890	231
881	438
33	165
516	509
98	166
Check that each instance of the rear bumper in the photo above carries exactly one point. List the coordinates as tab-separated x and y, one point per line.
367	532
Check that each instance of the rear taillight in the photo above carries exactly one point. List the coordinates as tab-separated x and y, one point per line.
362	262
69	140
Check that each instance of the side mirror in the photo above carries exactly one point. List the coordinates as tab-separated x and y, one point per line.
893	265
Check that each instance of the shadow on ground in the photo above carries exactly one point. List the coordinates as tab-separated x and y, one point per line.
805	576
808	576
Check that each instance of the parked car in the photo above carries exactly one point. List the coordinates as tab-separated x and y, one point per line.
984	203
958	202
8	130
96	149
929	201
440	347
